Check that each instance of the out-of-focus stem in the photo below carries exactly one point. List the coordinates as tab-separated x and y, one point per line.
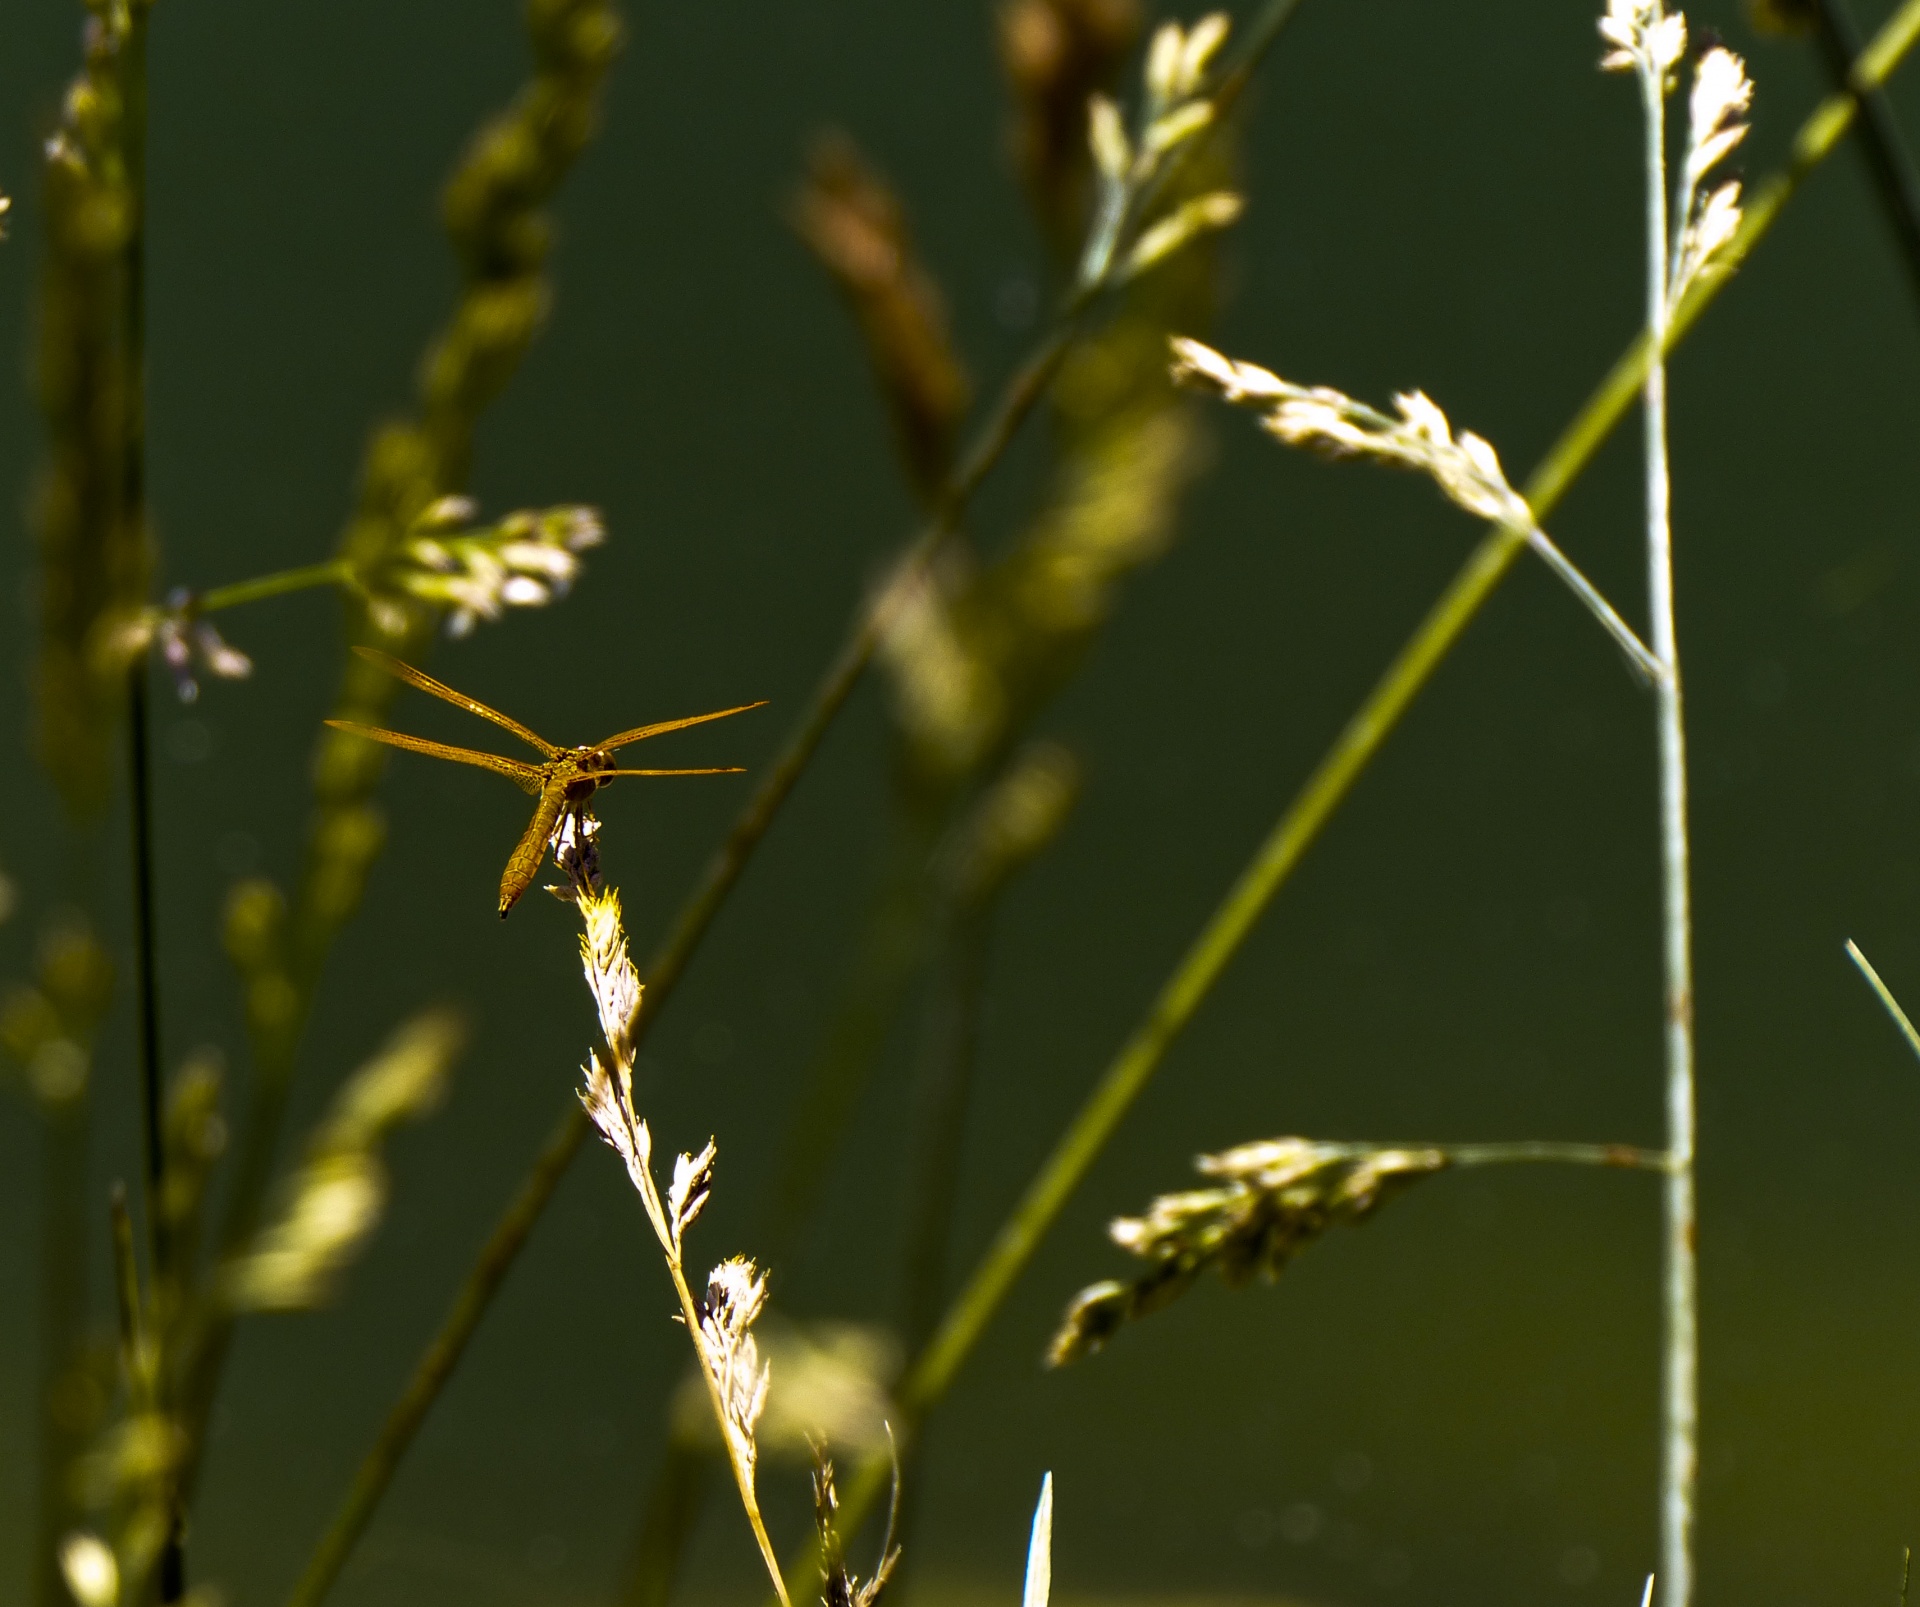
63	1316
672	1509
949	1055
171	1568
334	572
1889	165
887	959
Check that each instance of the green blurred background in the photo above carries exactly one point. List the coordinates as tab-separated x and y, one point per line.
1456	1404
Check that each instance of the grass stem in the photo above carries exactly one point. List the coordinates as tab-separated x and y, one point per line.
1549	1152
1680	1369
171	1569
146	982
64	1215
1886	997
334	572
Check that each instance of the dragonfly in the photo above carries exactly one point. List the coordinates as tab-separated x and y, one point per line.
564	779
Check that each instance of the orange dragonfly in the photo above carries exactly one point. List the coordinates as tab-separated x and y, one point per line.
568	776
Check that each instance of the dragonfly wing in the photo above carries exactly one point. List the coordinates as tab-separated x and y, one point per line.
524	864
721	770
528	777
641	733
460	700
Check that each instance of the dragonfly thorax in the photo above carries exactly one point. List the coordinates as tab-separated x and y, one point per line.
586	761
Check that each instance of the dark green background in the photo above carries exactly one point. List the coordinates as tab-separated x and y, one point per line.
1443	195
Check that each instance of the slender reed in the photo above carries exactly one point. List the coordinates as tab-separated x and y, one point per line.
1680	1454
131	62
1061	1172
1681	249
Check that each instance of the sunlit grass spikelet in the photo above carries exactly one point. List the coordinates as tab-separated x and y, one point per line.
1416	436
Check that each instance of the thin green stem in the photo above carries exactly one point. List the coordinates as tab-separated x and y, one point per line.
1646	668
949	1055
430	1374
146	978
1885	993
334	572
1549	1152
1364	734
132	76
1680	1370
171	1572
64	1216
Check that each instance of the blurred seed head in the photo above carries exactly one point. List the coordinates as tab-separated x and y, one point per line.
88	1565
471	573
834	1381
1782	16
1056	54
856	226
1021	811
333	1199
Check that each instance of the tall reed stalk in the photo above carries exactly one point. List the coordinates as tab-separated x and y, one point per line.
1680	1367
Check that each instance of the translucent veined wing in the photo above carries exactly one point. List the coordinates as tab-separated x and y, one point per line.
528	777
460	700
640	733
721	770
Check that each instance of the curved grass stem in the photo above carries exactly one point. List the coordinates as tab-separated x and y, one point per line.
1885	995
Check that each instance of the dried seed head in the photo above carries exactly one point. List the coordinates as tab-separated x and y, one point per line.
611	977
1722	94
735	1295
1467	469
1277	1197
1643	39
838	1586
